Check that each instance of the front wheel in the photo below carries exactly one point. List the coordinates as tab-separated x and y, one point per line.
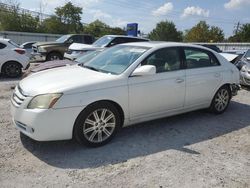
54	56
221	100
97	124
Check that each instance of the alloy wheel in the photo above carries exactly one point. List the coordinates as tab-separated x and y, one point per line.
12	70
221	100
99	125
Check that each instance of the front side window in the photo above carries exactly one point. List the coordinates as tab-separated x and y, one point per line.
164	60
196	58
77	39
2	46
116	60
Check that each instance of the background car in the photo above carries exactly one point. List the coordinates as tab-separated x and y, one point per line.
232	58
60	63
123	85
28	47
212	47
12	58
54	50
75	50
244	66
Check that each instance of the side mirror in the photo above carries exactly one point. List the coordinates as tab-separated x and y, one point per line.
70	41
144	70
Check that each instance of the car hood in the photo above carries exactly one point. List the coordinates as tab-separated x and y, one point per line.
47	43
78	46
52	64
68	79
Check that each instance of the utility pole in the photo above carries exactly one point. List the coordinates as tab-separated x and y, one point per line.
237	28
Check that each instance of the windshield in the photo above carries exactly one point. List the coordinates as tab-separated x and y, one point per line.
87	56
103	41
116	60
247	55
63	38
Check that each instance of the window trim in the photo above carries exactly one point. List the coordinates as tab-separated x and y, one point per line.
210	54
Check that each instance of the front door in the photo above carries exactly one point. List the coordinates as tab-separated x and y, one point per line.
163	91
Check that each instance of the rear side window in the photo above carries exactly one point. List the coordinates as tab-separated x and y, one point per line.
117	40
196	58
88	39
135	40
28	45
2	46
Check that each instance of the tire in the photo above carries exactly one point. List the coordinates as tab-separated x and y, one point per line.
221	100
12	69
54	56
97	124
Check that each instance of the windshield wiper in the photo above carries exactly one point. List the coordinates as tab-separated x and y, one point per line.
91	68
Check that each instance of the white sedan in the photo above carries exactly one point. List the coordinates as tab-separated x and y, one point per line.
12	58
124	85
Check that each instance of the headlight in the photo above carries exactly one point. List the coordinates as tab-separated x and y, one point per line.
41	49
45	101
245	68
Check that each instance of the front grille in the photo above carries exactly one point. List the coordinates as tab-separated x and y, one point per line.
18	96
69	52
34	49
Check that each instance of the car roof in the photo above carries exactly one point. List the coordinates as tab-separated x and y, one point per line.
162	44
126	36
4	39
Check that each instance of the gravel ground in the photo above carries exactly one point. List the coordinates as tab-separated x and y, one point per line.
196	149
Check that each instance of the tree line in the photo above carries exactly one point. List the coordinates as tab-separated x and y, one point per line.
67	19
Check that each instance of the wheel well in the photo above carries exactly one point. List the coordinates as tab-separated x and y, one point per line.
57	52
229	88
118	107
10	62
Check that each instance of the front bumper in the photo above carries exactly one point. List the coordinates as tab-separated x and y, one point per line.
245	78
234	89
72	56
45	124
38	57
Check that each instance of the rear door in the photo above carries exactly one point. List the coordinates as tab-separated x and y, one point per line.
203	76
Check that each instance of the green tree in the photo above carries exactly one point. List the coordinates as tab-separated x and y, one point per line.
12	20
165	31
243	35
98	29
202	32
53	25
70	16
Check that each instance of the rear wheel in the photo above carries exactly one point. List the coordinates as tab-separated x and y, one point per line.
12	69
97	124
221	100
54	56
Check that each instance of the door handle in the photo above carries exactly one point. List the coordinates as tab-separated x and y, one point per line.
179	80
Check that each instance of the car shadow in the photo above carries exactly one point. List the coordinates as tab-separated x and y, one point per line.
177	132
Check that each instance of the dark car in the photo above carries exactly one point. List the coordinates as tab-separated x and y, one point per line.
212	47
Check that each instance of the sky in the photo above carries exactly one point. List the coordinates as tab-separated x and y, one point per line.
147	13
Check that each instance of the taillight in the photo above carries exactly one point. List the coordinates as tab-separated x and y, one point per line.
20	51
